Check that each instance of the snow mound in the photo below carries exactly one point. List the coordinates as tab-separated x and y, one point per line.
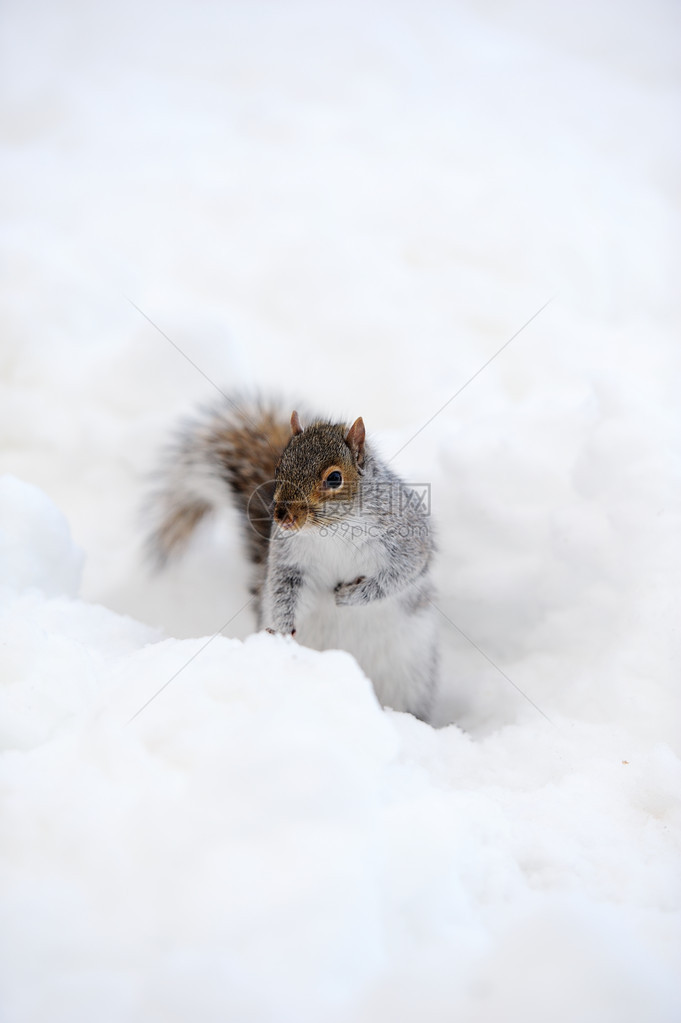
36	549
236	830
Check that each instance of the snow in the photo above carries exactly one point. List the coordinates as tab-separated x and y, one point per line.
35	542
356	205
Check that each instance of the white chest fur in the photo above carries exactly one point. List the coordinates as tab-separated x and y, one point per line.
389	642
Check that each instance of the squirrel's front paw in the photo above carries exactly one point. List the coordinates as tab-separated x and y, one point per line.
351	593
274	632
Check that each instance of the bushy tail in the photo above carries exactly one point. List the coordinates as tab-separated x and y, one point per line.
227	452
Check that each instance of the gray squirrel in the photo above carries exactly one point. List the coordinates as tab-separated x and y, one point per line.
340	547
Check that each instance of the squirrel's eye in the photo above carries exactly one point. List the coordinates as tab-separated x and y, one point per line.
334	479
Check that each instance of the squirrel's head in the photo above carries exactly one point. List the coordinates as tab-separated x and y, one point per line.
319	471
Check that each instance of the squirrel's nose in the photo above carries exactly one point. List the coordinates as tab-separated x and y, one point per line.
284	516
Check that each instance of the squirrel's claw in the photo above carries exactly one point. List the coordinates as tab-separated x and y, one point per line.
350	593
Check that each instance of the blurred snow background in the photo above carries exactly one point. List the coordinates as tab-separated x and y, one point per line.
357	205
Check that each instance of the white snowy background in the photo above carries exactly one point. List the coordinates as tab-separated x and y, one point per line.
355	204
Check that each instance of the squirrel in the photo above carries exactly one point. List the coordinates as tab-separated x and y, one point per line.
341	549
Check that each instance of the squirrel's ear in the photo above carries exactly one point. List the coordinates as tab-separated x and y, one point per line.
355	439
295	424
